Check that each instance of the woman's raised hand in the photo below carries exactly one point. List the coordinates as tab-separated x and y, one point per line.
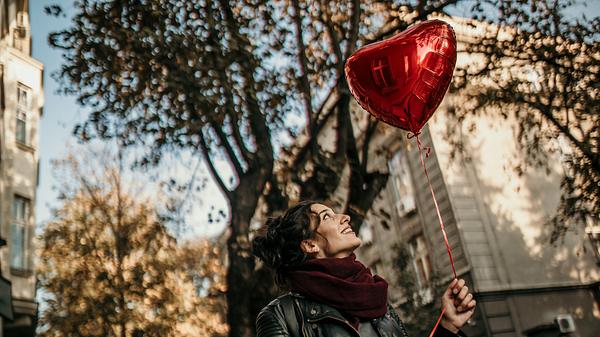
459	305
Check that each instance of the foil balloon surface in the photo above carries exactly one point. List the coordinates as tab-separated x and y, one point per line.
402	80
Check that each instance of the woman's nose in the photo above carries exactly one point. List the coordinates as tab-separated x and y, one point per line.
345	218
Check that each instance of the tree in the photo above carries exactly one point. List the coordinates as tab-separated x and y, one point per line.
234	81
540	66
109	267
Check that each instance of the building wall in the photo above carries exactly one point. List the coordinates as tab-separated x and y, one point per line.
18	160
511	211
502	218
495	221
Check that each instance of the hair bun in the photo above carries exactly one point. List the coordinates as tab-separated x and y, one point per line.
277	243
266	245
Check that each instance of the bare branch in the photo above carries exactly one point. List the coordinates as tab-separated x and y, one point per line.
304	85
229	151
211	167
335	42
355	25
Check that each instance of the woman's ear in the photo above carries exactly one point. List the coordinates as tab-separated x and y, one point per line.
309	247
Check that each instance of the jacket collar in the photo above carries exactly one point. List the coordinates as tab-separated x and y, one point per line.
315	311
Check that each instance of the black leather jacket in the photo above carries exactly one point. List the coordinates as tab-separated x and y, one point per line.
293	315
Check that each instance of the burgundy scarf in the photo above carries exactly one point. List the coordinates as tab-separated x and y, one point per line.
343	283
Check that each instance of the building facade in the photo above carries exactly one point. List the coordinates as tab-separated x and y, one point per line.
21	103
495	225
495	221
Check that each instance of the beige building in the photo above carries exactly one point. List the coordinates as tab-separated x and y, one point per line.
21	102
495	224
494	219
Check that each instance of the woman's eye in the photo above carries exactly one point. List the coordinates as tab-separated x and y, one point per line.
326	216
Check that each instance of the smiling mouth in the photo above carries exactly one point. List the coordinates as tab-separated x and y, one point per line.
348	230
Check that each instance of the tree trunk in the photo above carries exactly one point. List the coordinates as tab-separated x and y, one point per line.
241	265
239	273
243	203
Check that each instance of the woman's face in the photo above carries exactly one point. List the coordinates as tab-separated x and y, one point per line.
334	236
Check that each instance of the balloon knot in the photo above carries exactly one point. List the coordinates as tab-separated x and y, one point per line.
412	135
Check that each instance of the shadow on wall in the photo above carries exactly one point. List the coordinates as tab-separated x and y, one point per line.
551	279
518	211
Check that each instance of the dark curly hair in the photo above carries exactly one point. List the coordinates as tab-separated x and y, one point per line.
278	241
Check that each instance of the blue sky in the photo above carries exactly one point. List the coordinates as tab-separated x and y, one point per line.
61	113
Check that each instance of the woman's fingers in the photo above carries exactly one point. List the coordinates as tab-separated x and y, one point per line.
462	294
466	303
458	286
459	298
450	289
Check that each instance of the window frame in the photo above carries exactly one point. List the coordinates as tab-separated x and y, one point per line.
403	189
20	222
421	261
22	114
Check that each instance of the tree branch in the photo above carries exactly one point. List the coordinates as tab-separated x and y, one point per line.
546	111
396	25
229	151
205	151
344	126
304	85
355	23
229	109
258	126
335	43
356	173
247	155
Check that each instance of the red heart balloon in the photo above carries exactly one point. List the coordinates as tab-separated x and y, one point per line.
403	79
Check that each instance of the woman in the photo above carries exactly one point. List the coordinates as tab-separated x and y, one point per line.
311	248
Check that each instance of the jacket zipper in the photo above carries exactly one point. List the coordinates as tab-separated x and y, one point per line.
301	317
335	319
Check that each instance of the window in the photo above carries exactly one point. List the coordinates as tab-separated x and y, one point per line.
404	199
20	33
420	260
23	97
23	107
18	232
21	127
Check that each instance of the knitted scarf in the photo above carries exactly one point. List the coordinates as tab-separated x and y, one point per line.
342	283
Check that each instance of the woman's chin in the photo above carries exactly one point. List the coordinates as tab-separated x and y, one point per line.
357	243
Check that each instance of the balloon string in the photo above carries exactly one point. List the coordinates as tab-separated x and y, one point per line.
438	322
437	208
